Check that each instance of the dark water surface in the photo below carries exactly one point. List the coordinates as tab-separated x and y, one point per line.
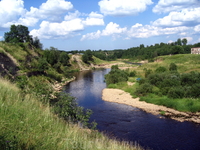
129	123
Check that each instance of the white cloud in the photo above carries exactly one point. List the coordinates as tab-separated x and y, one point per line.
13	12
51	10
69	27
146	31
64	29
91	36
1	37
52	7
112	29
170	41
123	7
94	19
10	10
197	28
136	31
72	16
165	6
189	39
185	17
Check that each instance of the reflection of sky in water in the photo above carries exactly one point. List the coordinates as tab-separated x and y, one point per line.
129	123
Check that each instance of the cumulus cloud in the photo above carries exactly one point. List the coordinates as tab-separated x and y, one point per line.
91	36
51	10
94	19
123	7
73	15
69	27
146	31
112	29
13	12
197	28
1	37
10	10
165	6
136	31
187	17
54	30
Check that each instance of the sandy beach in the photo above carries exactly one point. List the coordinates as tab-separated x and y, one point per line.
119	96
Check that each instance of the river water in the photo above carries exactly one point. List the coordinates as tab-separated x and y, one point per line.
128	123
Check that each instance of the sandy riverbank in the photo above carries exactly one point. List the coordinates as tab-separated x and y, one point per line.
119	96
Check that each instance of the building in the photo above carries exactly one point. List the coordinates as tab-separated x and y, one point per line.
195	50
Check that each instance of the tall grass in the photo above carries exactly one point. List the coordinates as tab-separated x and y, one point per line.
27	124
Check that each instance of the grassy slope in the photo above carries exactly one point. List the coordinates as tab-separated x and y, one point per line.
185	62
26	124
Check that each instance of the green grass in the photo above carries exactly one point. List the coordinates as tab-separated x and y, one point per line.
185	104
27	124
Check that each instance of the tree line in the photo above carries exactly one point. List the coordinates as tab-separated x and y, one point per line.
149	52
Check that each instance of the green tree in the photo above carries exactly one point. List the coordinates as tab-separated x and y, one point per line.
184	41
64	58
87	56
179	42
177	49
17	34
36	43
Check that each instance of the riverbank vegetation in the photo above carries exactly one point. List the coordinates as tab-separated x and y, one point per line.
172	81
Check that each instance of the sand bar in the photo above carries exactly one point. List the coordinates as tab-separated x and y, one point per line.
119	96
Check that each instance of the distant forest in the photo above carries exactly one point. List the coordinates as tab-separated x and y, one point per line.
142	53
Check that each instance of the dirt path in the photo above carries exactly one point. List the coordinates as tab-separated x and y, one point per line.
79	61
119	96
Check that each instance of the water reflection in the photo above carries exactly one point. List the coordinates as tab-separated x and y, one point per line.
129	123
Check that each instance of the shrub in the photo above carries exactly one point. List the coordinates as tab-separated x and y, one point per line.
172	67
132	74
147	72
67	108
116	75
144	89
176	92
160	69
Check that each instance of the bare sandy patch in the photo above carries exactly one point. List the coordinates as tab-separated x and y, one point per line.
119	96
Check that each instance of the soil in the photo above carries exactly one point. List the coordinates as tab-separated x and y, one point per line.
7	66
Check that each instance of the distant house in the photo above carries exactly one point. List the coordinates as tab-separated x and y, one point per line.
195	50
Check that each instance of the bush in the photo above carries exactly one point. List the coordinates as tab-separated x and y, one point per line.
132	74
176	92
144	89
147	72
160	69
67	108
172	67
116	75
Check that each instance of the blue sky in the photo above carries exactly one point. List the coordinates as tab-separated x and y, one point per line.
103	24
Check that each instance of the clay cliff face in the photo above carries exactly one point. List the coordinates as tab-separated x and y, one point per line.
7	66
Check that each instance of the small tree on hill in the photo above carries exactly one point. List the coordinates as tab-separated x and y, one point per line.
17	34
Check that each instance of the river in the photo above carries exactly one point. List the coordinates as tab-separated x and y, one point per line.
128	123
